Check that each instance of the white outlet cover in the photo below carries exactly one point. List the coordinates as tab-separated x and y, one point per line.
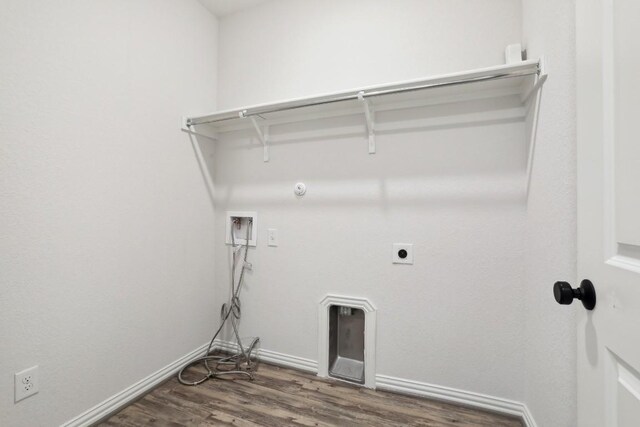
26	383
395	255
244	215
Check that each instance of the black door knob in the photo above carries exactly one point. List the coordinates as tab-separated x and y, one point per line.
586	293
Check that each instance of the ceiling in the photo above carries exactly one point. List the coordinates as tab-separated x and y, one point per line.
226	7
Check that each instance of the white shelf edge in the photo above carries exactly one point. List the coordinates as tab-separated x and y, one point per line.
530	95
358	110
531	65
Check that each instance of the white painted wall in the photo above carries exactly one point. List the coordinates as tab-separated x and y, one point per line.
456	317
105	222
550	387
106	235
285	48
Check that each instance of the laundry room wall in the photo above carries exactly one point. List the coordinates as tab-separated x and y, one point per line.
455	317
106	223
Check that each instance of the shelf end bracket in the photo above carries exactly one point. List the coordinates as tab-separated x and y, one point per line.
369	116
539	81
535	106
189	128
263	136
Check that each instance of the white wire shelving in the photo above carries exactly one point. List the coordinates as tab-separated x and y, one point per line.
519	79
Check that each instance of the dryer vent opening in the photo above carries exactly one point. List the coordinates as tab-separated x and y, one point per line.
346	343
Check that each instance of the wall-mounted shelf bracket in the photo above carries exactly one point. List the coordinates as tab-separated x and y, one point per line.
189	128
369	116
540	79
534	108
263	136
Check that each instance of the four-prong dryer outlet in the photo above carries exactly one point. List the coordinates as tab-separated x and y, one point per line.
402	253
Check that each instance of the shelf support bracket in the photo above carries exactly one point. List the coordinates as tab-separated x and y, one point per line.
369	116
263	136
187	127
534	108
540	79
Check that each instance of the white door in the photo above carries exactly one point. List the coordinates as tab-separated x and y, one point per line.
608	102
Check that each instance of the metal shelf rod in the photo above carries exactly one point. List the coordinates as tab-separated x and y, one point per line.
524	68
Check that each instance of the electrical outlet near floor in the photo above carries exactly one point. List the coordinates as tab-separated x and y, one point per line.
26	383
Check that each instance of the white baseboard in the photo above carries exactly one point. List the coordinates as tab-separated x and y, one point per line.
383	382
126	396
527	417
462	397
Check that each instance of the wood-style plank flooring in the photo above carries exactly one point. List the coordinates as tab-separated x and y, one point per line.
285	397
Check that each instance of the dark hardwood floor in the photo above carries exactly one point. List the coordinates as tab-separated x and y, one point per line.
286	397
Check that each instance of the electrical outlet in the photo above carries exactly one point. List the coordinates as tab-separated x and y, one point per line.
26	383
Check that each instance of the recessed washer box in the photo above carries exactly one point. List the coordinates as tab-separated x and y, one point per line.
402	253
240	232
346	343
